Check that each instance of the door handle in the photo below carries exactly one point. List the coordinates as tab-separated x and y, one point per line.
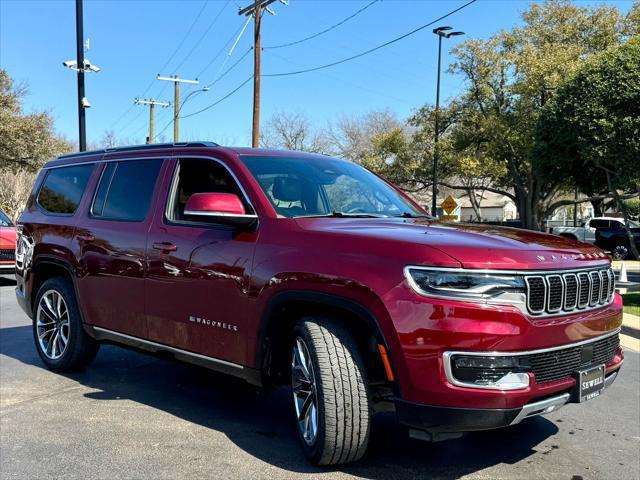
86	238
165	246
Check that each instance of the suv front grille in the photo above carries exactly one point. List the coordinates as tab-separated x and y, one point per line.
7	255
569	292
558	364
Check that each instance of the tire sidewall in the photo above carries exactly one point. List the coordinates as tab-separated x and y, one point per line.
314	451
61	286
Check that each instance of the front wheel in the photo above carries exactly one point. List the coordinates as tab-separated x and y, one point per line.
330	397
620	252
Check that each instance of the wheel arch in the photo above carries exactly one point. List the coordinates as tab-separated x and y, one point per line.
285	308
47	267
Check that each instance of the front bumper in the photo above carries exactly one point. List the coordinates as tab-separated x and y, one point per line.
439	423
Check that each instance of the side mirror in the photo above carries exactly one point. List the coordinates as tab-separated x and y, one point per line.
218	207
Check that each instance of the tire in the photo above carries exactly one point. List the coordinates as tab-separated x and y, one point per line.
339	391
56	312
621	252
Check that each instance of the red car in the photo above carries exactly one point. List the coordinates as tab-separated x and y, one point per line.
7	244
290	268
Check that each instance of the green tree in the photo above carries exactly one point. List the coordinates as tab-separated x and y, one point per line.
489	130
589	134
26	140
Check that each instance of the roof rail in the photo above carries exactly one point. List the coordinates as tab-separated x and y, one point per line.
131	148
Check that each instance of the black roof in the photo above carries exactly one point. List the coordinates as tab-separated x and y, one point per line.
134	148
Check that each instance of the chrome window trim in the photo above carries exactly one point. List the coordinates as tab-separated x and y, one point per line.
161	157
175	174
447	358
564	279
562	290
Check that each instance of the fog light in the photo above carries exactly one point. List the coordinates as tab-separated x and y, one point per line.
498	373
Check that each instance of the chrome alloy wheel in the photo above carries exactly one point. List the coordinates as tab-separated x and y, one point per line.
52	324
303	382
620	252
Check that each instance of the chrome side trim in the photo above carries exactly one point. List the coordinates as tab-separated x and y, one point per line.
218	214
541	408
163	347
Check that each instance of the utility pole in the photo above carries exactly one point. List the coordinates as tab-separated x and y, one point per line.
442	33
176	101
255	9
82	131
152	103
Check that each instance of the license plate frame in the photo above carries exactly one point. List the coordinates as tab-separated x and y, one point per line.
590	382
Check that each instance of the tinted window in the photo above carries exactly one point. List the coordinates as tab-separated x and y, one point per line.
126	189
599	224
63	188
196	175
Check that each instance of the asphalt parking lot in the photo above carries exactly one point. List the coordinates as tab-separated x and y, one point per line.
134	416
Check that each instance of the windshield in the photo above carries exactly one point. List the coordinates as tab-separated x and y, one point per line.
324	186
4	220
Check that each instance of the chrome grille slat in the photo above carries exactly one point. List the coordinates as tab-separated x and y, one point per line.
558	292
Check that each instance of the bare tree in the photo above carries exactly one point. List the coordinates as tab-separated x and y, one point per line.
352	136
15	187
293	131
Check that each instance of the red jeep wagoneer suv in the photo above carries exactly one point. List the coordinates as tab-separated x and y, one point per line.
290	268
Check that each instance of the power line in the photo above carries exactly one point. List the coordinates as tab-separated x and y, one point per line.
220	100
326	30
371	50
184	38
213	22
235	64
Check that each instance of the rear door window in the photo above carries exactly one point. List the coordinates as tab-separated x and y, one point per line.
126	189
63	187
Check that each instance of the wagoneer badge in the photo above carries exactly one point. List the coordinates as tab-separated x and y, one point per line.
213	323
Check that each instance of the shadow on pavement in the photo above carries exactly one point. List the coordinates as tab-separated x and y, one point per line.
260	422
7	281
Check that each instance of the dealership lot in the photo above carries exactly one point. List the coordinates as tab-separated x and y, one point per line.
135	416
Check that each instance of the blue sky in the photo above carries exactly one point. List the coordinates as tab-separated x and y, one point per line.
132	40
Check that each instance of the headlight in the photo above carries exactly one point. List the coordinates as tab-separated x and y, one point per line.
462	284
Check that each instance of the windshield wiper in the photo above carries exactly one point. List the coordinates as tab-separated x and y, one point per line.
413	215
336	214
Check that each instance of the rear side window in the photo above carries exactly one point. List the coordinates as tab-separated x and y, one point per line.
63	188
125	190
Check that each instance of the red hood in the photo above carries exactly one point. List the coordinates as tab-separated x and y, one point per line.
474	246
7	237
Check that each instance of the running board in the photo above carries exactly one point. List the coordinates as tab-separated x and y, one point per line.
251	375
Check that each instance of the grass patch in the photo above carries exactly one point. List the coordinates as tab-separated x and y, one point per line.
632	303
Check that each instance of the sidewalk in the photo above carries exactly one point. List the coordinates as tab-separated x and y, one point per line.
630	334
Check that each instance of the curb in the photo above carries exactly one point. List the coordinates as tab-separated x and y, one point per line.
631	325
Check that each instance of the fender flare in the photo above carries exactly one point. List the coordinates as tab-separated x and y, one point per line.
319	298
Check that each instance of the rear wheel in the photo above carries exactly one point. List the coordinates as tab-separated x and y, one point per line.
330	397
60	339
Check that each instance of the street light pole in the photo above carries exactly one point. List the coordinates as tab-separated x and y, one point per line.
176	100
442	33
82	133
